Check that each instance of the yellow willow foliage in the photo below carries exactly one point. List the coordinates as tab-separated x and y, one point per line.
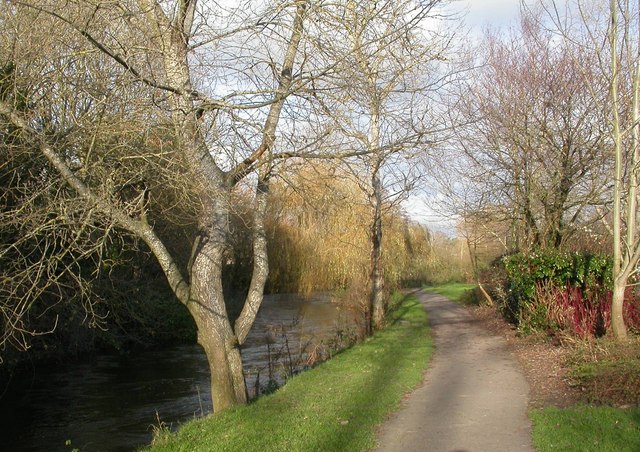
407	252
319	239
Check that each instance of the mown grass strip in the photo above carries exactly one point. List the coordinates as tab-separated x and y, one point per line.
586	428
333	407
453	291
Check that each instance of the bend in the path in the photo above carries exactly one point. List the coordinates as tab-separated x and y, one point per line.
474	395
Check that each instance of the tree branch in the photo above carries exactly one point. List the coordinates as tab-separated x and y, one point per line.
139	228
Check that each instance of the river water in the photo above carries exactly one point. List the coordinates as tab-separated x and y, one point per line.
112	402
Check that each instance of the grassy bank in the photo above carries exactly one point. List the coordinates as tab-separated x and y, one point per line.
586	428
333	407
453	291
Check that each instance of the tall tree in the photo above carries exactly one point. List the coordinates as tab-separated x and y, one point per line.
162	49
532	143
624	75
389	69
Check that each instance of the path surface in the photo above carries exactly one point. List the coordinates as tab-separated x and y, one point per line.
473	398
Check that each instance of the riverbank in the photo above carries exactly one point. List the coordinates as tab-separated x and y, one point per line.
335	406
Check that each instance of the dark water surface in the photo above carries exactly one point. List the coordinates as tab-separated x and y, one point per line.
112	402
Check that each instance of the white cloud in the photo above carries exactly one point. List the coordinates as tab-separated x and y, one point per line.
493	13
427	210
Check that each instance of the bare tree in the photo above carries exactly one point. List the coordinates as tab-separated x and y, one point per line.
158	50
610	34
532	142
624	75
387	71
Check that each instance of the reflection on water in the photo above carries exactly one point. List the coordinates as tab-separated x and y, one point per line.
112	402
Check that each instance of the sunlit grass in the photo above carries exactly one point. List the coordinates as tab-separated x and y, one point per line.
333	407
452	291
586	428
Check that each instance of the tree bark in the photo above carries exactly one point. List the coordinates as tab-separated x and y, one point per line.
619	277
617	309
377	306
376	303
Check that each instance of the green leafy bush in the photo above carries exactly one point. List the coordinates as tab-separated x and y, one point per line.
530	294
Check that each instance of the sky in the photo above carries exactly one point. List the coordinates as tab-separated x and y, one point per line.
478	15
496	13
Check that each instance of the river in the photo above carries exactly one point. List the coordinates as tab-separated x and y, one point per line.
113	402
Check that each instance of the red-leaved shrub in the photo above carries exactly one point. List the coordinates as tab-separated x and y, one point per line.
587	313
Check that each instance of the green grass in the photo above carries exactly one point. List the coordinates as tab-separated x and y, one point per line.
586	428
333	407
608	373
453	291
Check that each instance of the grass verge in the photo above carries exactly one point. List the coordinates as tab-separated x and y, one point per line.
333	407
608	375
586	428
453	291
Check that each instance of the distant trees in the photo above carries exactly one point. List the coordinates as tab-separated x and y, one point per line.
530	137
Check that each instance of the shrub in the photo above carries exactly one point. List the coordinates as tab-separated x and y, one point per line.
587	271
472	297
569	310
551	291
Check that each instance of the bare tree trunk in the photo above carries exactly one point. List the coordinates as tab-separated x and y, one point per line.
619	280
617	309
377	300
376	303
207	306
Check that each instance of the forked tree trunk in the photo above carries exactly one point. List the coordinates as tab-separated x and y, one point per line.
215	334
206	302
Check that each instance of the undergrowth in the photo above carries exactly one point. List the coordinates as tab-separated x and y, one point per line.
607	372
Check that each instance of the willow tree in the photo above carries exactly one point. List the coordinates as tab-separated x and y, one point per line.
203	73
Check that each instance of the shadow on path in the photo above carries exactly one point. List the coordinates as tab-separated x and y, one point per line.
474	396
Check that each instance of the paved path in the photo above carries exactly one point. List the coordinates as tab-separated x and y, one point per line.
474	396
